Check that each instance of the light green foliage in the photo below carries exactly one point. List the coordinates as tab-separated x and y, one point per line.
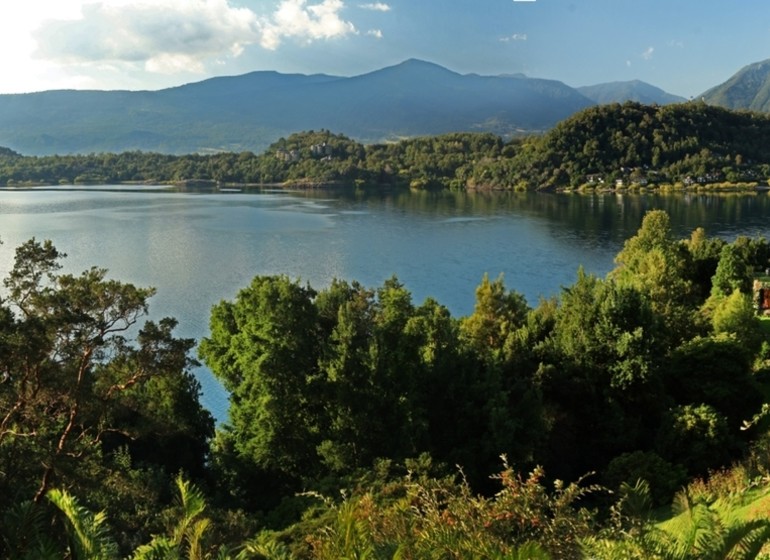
653	263
496	315
733	273
186	537
88	537
444	519
702	531
735	315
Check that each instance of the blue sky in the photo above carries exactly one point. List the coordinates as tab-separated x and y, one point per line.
682	46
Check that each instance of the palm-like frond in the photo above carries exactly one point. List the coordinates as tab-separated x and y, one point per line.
23	534
88	532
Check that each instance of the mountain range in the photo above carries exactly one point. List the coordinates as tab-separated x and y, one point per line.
249	112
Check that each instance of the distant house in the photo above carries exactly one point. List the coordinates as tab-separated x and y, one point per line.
321	149
287	156
595	179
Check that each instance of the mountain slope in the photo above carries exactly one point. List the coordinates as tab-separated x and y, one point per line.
251	111
635	90
749	88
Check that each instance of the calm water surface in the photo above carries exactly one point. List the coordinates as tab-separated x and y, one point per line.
197	248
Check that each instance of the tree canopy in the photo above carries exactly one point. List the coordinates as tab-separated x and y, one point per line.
688	143
352	409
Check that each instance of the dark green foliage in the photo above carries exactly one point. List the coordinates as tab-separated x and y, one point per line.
689	143
662	143
716	371
696	437
82	407
663	477
642	377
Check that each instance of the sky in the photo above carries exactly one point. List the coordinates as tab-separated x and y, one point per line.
681	46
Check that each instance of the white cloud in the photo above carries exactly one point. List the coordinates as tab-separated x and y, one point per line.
164	36
295	19
647	54
377	7
140	44
169	36
514	37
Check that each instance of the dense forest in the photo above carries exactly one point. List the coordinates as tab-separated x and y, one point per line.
610	146
365	425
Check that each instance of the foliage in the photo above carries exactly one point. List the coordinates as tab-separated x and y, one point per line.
75	394
643	377
444	519
686	143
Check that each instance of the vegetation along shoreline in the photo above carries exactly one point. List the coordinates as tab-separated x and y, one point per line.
617	147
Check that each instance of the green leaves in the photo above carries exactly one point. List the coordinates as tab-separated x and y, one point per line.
89	537
75	389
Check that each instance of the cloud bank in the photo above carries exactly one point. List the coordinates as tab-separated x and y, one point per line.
168	36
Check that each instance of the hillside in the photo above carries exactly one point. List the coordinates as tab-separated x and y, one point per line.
749	89
251	111
635	143
630	144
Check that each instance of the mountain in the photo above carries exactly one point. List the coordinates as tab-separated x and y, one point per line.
635	90
749	88
249	112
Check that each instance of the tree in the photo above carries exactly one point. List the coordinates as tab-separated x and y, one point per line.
72	386
604	389
264	348
496	314
656	265
732	273
695	436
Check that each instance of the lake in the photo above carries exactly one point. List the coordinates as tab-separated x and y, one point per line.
200	247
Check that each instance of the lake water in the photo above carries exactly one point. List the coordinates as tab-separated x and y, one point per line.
198	248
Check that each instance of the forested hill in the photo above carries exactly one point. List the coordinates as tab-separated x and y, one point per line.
629	145
643	144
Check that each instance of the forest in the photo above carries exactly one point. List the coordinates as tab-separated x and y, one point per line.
630	145
626	417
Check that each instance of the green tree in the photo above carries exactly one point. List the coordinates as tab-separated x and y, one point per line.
732	273
263	346
695	436
657	266
72	379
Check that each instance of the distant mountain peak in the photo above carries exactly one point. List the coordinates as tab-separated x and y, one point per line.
633	90
414	67
749	88
248	112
